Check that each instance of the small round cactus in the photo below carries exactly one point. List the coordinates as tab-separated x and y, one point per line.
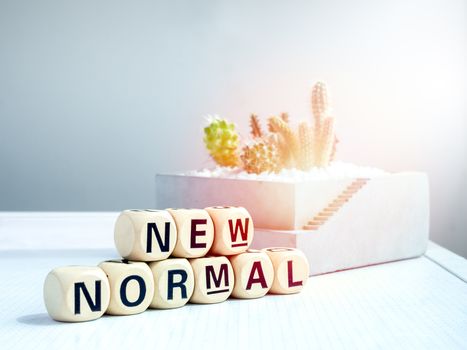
221	140
260	156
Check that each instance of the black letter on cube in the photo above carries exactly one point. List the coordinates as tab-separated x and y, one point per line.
223	273
152	227
142	291
171	284
93	306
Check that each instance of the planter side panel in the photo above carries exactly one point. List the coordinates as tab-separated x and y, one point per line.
270	204
271	238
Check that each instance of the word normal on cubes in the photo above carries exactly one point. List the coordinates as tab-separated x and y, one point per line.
171	257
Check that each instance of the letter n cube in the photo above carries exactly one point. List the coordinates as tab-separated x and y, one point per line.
76	293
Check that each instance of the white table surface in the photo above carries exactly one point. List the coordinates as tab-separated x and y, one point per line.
413	304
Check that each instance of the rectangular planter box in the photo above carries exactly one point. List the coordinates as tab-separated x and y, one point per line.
371	221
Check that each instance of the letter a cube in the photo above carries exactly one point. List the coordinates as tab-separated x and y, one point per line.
174	283
76	293
233	228
214	279
145	235
253	272
291	270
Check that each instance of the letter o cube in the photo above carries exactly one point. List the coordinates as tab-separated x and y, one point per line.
195	232
174	283
291	270
145	235
253	272
76	293
131	286
233	228
214	279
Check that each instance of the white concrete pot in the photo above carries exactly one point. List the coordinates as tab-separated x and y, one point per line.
338	223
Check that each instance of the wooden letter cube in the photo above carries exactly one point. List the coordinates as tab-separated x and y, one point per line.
214	279
131	286
174	283
195	232
253	272
291	270
233	230
145	235
76	293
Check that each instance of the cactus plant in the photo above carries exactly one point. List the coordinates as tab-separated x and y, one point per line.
334	148
305	136
280	147
324	137
260	156
319	104
285	117
221	140
285	159
319	99
255	126
326	142
288	136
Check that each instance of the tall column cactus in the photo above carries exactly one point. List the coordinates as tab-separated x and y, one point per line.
305	136
319	105
324	136
326	142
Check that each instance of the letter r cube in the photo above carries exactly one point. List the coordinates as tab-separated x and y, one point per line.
174	283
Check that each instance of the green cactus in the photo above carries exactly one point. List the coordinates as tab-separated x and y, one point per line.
221	140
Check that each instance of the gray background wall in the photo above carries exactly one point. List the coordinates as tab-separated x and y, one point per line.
98	96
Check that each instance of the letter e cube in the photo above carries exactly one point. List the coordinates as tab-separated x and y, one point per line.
195	232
